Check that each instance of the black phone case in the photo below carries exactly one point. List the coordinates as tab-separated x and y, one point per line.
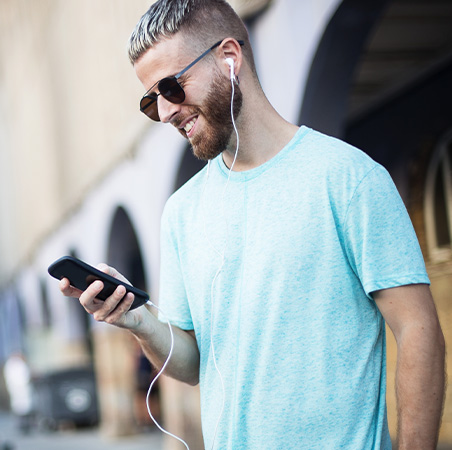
81	275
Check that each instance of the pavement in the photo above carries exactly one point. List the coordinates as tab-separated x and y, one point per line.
87	439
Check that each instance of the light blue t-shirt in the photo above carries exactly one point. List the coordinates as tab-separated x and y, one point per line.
300	344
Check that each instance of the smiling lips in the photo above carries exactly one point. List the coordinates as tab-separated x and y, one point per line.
189	125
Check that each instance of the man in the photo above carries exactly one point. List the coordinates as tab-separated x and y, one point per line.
279	261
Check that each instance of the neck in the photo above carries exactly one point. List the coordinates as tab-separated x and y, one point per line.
263	133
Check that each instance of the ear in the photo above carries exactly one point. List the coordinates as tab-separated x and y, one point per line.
229	50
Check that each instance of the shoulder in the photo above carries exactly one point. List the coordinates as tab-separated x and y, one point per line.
334	161
333	152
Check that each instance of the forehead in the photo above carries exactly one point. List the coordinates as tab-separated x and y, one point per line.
166	58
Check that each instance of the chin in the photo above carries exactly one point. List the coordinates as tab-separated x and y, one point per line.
204	154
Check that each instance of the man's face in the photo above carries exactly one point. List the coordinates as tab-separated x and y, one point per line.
216	108
204	118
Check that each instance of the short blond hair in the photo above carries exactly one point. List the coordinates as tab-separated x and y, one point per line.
203	21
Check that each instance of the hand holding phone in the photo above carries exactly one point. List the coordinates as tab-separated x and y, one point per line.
81	275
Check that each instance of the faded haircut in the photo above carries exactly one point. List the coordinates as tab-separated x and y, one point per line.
204	22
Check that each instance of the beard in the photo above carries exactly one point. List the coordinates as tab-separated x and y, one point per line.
217	111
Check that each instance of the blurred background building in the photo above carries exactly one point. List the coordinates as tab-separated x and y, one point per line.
83	172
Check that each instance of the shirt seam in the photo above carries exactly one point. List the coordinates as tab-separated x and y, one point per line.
244	177
397	280
355	193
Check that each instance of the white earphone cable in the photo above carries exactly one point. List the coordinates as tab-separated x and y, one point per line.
157	377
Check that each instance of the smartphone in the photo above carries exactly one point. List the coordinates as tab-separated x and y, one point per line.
81	275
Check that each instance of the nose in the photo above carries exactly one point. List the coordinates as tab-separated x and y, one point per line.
166	109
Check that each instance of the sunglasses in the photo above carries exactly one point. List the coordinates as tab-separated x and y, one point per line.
170	89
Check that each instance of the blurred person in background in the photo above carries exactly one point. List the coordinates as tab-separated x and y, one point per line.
18	383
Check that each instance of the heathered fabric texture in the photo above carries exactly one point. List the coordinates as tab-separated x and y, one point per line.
298	339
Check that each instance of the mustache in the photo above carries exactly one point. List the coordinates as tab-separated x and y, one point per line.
180	119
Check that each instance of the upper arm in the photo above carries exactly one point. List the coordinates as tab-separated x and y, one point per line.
379	238
192	334
190	338
408	307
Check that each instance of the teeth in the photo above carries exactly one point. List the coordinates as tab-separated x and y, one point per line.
189	125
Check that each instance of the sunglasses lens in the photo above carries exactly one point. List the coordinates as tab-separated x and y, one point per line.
148	106
171	90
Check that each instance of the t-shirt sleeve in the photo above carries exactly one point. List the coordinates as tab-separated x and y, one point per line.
173	301
380	240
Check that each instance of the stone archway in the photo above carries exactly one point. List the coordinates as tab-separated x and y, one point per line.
118	358
124	252
327	88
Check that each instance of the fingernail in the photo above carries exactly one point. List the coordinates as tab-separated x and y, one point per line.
121	289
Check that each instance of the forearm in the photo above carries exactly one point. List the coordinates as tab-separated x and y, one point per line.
155	340
420	381
154	336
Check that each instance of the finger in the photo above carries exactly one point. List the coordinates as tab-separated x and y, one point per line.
104	268
67	290
110	304
108	270
88	297
112	272
117	316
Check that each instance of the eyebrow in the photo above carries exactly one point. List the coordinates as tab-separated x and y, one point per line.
149	90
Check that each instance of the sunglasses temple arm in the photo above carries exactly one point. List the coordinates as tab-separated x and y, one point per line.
197	59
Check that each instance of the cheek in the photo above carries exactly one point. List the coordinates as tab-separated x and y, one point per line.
194	97
201	86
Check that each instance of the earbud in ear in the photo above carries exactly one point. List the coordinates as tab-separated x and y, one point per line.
230	62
